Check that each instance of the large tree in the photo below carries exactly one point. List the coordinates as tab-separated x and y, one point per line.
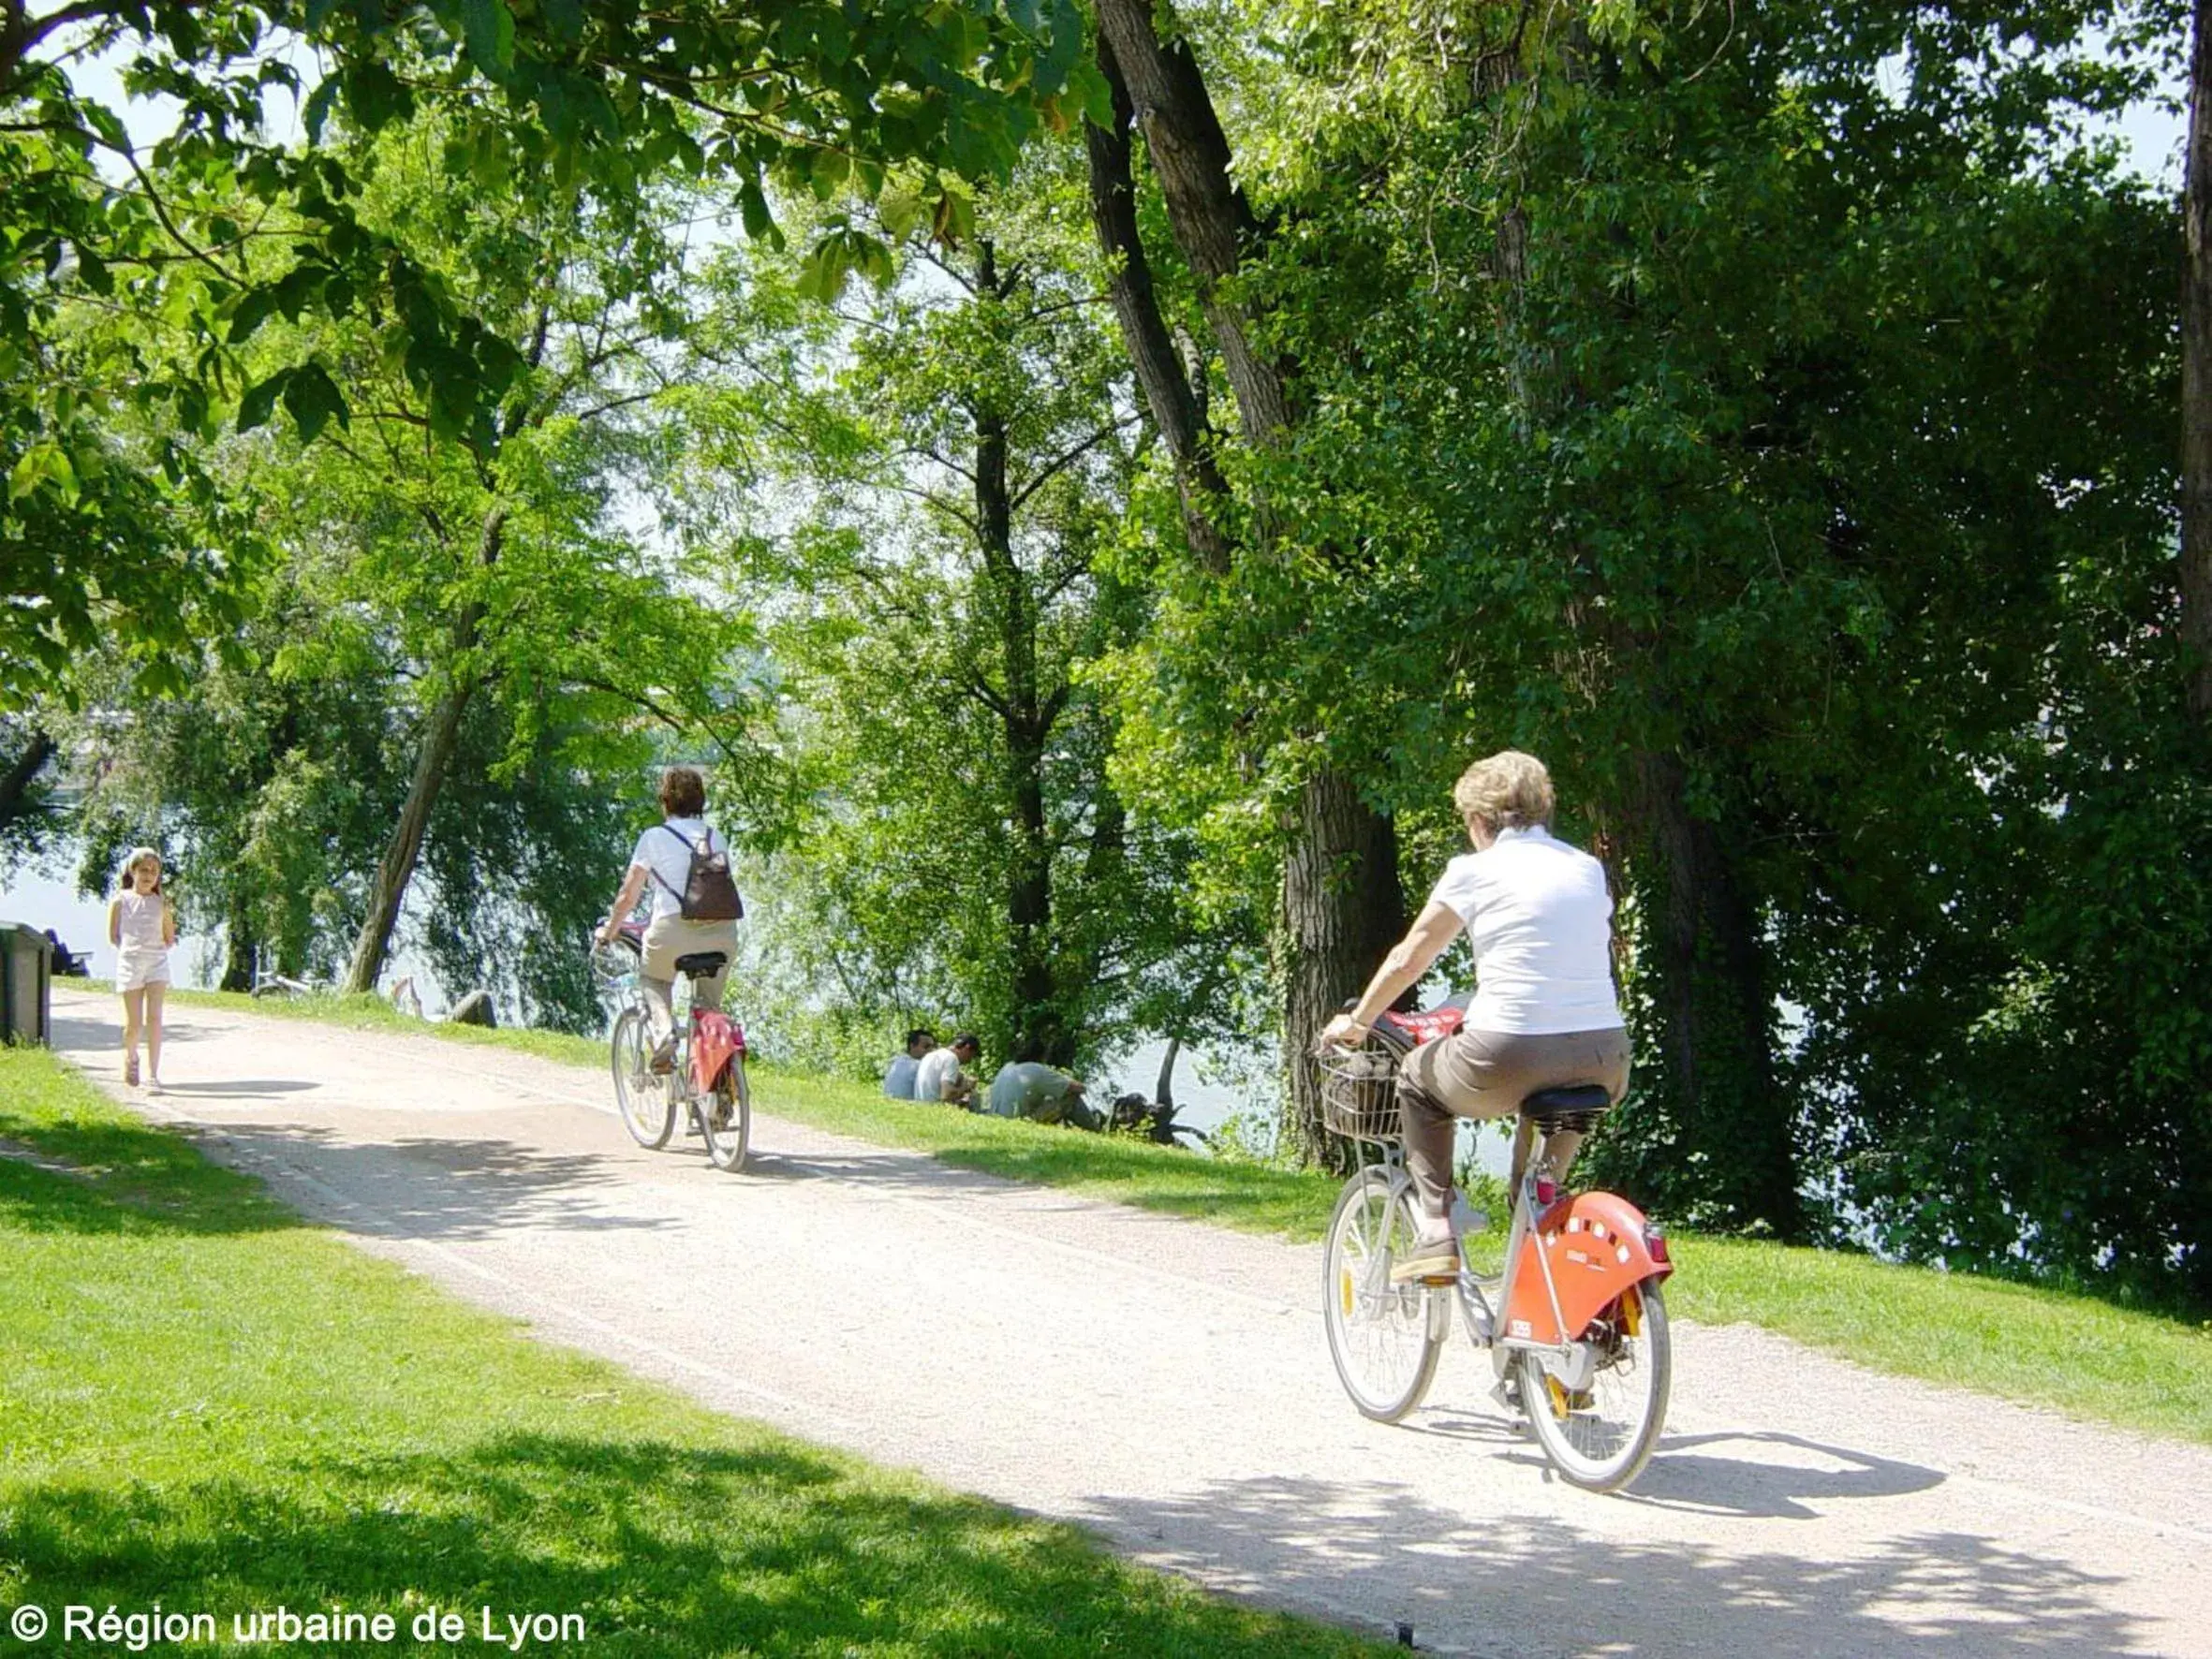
598	100
1766	446
2196	370
963	443
1341	904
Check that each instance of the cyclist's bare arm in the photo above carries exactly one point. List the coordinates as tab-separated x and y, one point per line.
633	886
1411	957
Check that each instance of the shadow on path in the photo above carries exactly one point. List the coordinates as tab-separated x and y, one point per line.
431	1187
1547	1586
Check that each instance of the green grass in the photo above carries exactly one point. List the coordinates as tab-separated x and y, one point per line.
2051	1347
214	1406
2076	1353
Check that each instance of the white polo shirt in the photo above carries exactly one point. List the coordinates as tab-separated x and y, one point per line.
1540	920
939	1067
670	860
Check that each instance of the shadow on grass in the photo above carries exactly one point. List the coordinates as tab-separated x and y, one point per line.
117	1175
1546	1585
662	1550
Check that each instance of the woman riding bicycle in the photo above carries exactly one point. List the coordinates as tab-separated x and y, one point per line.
1544	1014
663	857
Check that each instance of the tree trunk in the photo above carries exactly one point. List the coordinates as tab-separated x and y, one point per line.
1342	909
1212	221
15	783
1163	1090
1176	407
1039	1029
1716	1011
239	943
2196	380
1342	912
441	738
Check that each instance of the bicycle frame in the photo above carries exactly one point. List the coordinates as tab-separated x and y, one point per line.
1568	1258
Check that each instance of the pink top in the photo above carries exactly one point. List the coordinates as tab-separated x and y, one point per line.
138	923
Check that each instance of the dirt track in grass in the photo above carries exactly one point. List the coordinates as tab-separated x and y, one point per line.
1169	1385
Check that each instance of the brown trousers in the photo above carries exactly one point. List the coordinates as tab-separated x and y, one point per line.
1486	1074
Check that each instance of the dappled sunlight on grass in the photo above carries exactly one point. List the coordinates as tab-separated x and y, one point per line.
241	1414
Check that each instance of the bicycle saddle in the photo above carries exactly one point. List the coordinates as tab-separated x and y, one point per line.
1575	1107
702	965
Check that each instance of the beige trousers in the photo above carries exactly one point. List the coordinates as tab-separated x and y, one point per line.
667	938
1487	1073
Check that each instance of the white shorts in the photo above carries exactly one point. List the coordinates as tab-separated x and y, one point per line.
135	972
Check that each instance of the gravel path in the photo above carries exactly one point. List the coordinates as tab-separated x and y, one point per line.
1168	1385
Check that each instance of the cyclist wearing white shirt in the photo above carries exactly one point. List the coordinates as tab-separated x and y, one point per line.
1544	1014
662	859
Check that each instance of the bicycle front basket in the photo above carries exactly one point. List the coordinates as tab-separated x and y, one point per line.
611	964
1359	1090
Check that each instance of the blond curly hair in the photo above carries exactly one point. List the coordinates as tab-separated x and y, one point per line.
1507	790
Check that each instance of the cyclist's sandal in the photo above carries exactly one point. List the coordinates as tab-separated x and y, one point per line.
1430	1259
664	1057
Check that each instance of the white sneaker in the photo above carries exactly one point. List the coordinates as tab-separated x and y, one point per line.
1465	1220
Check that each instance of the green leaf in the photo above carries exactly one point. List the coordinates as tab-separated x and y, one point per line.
312	399
93	272
901	211
259	402
318	110
105	122
376	96
829	170
490	30
753	205
565	19
253	311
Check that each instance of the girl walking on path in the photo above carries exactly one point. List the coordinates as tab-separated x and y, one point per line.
141	927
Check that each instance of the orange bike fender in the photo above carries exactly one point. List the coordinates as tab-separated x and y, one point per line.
714	1037
1598	1246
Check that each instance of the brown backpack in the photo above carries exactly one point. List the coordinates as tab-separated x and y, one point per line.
710	892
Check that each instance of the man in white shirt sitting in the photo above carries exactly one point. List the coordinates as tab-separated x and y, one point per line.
898	1083
943	1074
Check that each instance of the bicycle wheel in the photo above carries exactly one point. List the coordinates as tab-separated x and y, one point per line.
726	1116
1601	1436
647	1112
1383	1337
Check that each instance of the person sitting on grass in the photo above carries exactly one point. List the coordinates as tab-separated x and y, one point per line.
1029	1089
944	1075
898	1083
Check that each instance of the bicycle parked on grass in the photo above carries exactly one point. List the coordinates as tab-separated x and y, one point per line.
1574	1322
706	1079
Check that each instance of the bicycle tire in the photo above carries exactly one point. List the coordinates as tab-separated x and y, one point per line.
640	1098
728	1145
1384	1338
1553	1414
